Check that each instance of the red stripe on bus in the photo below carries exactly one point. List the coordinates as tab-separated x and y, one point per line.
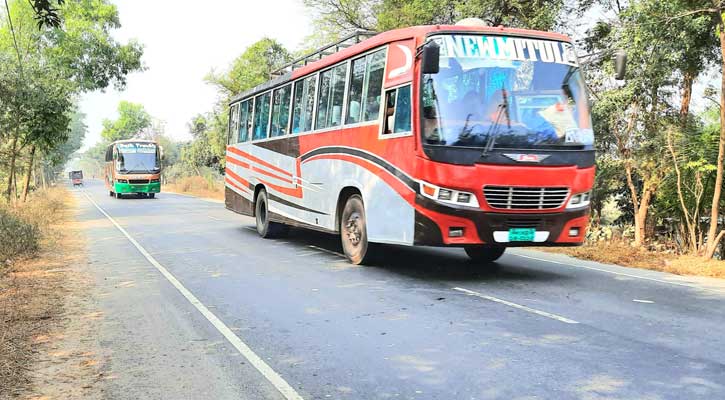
232	183
293	192
234	161
241	180
242	164
403	190
263	172
258	161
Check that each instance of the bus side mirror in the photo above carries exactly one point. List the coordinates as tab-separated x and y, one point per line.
161	152
620	65
430	57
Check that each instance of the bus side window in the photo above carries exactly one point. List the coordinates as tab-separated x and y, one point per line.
374	72
245	116
230	127
323	100
298	117
354	103
304	103
397	110
337	96
261	116
280	111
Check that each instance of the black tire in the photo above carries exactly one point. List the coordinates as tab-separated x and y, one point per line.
266	228
353	232
152	195
110	193
484	254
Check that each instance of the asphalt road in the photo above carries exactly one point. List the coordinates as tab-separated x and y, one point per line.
200	307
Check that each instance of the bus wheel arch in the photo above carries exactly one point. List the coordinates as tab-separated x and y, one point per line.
345	194
257	189
265	227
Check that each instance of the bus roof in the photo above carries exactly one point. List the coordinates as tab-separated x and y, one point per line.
133	141
419	33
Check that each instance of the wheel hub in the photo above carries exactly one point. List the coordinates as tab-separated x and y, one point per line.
353	230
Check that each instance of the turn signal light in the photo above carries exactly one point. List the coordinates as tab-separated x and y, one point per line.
448	196
579	200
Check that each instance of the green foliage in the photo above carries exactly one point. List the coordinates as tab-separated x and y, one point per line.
251	68
532	14
132	119
45	66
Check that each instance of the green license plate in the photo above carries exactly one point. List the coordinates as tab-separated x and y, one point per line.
521	234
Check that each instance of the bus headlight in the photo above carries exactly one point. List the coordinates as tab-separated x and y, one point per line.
579	200
121	181
448	196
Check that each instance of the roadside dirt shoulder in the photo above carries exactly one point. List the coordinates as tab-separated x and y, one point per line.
48	345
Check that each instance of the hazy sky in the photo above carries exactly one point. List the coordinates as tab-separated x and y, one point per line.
183	41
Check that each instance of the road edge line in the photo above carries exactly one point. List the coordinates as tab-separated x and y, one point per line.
517	306
273	377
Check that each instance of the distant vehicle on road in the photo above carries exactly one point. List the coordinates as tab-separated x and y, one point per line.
133	167
465	135
76	178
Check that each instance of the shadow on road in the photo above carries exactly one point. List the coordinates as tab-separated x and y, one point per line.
428	263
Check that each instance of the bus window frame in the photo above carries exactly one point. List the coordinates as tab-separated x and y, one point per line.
384	47
289	110
382	135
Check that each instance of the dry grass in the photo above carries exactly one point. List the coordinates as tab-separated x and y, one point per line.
32	289
197	186
621	253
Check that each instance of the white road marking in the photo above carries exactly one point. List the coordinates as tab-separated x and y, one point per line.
612	272
643	301
518	306
327	251
274	378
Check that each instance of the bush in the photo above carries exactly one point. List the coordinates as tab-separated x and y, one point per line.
18	237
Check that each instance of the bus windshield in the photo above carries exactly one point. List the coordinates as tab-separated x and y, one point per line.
505	92
139	158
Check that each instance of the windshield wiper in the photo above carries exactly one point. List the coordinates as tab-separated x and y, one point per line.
503	108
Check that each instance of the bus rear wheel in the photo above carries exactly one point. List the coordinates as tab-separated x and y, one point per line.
353	231
484	254
152	195
266	228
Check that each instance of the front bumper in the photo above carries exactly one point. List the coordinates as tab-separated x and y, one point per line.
153	187
434	221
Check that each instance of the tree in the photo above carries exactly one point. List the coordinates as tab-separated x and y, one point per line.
336	18
55	61
132	119
251	68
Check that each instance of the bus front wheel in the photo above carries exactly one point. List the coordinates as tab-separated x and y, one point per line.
484	254
353	231
266	228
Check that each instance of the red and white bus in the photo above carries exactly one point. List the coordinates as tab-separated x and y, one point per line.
464	135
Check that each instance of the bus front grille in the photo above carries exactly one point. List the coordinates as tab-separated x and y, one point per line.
525	198
138	181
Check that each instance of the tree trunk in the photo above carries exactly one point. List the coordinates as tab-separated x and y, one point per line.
640	218
691	234
687	80
712	241
29	174
11	174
